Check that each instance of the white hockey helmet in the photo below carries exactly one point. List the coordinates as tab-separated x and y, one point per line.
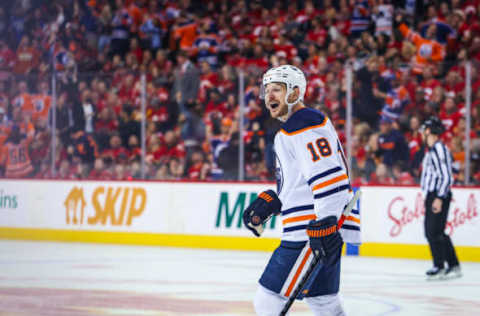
291	76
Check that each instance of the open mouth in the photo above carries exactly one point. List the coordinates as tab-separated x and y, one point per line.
273	106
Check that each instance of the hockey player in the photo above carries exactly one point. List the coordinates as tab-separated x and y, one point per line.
312	190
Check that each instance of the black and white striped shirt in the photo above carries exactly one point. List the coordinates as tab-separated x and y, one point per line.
437	170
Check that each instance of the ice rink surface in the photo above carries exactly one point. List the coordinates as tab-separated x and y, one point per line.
39	278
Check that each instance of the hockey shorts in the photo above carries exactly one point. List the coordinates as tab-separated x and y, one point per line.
287	266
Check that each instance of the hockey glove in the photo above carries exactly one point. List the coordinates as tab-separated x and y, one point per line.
325	239
259	211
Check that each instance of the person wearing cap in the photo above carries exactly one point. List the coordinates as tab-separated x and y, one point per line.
436	181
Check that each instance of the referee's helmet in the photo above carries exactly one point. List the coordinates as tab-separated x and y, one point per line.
434	124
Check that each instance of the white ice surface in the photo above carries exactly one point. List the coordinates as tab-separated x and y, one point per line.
39	278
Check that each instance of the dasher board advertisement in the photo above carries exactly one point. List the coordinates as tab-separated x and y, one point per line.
396	215
154	207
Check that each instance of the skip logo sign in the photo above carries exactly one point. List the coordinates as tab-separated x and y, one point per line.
115	206
75	206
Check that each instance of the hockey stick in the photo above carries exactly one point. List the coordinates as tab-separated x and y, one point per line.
316	259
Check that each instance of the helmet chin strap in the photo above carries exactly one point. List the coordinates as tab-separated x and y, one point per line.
290	105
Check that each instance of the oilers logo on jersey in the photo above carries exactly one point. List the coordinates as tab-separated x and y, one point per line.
425	50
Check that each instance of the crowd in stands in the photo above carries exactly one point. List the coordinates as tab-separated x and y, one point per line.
87	58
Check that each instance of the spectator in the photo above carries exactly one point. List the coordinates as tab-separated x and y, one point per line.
171	147
99	172
4	126
41	103
40	147
218	136
401	176
187	80
115	40
395	100
429	51
391	143
23	121
14	155
255	169
121	24
363	163
450	115
162	172
26	57
82	148
205	47
7	57
128	124
208	81
153	27
227	80
112	153
120	172
382	16
366	105
198	168
176	169
185	31
23	98
64	118
429	83
192	126
162	62
79	171
228	158
84	113
134	150
360	19
105	125
44	171
381	177
458	154
216	105
135	50
65	170
414	137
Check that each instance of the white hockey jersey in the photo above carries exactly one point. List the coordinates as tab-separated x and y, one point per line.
312	177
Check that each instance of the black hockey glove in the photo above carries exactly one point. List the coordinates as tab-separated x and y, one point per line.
325	239
259	211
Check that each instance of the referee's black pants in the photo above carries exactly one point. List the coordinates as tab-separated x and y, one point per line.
440	243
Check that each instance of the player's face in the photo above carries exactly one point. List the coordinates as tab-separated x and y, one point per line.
275	99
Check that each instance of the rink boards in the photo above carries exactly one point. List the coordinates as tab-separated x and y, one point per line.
208	215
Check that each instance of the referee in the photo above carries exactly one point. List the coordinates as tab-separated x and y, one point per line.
435	182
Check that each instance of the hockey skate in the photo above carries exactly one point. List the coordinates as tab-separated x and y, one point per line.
453	272
435	273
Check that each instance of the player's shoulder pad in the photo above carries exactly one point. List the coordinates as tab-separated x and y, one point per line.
303	120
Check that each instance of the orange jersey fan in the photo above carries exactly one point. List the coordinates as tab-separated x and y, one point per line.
429	52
